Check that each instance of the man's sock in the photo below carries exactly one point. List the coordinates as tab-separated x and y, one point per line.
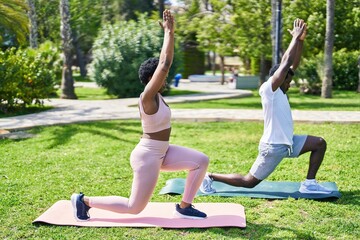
310	181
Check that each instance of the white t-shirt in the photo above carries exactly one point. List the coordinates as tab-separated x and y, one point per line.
278	122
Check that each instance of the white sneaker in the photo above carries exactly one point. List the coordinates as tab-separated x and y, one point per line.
313	188
206	185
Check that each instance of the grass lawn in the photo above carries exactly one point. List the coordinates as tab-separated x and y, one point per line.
341	101
94	158
86	93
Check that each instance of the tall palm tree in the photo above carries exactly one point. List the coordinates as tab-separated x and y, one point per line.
14	19
326	89
33	24
67	81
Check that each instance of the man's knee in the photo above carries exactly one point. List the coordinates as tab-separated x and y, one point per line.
322	143
251	181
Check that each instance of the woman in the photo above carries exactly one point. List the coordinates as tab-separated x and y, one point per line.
153	153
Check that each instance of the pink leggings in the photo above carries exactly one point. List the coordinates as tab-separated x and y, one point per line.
147	160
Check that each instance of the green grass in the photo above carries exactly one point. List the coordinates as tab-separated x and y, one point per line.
341	101
176	92
94	158
86	93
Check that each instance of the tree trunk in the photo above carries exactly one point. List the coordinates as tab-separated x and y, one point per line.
213	63
81	61
67	82
222	67
33	25
208	57
262	70
79	55
326	90
161	8
358	89
273	29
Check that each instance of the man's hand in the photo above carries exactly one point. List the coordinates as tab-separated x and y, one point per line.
303	35
299	29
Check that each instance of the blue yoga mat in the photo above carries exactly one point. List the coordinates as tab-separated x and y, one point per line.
265	189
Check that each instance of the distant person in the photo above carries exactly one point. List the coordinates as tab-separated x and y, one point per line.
278	140
153	153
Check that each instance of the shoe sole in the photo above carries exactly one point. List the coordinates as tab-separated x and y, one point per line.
179	215
207	192
73	202
314	192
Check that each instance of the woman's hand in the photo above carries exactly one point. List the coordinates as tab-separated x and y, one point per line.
168	21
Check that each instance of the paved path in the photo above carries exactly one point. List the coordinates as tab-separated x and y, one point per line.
70	111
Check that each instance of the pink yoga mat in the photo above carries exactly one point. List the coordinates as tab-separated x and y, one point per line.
156	214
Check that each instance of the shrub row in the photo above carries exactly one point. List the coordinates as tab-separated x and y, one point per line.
27	76
345	71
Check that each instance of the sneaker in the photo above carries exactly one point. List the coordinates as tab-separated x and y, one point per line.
313	188
81	210
206	185
189	212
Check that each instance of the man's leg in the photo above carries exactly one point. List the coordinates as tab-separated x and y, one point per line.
317	147
237	180
268	158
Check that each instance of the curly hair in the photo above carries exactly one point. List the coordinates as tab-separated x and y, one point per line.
147	69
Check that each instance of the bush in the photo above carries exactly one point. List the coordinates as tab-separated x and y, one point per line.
26	77
118	53
308	75
345	68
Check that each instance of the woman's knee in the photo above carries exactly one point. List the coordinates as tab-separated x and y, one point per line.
136	209
204	160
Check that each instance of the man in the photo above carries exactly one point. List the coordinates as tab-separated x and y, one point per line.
278	140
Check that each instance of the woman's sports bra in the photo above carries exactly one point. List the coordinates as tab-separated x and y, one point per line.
157	121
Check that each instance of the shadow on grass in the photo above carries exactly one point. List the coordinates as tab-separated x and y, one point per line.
64	133
252	231
349	198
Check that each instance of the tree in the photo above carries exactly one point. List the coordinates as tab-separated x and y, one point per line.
216	33
13	19
129	8
67	81
252	20
120	49
326	90
33	24
187	29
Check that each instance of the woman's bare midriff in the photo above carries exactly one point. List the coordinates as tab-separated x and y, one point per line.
163	135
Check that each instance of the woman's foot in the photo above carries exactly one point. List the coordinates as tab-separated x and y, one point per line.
81	210
189	212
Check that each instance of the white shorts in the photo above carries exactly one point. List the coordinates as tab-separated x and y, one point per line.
270	155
